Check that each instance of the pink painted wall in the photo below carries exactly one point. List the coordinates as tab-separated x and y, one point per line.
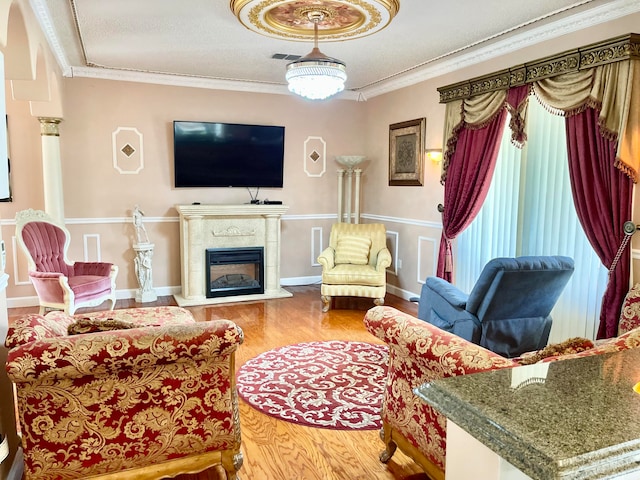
98	199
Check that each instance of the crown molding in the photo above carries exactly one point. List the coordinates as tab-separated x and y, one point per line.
42	14
193	82
510	44
432	69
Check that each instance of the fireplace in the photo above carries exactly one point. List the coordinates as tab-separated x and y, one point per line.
227	226
234	271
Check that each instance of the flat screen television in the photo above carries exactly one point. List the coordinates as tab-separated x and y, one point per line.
209	154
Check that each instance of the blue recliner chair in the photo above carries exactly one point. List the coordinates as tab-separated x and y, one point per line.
508	310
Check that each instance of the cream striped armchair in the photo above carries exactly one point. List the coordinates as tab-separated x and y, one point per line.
354	264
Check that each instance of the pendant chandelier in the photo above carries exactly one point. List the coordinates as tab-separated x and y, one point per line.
316	76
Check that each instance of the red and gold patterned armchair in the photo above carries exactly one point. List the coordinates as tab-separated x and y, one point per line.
420	352
149	401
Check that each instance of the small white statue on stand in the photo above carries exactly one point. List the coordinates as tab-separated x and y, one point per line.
143	263
141	231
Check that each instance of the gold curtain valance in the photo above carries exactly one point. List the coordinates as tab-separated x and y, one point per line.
610	83
617	49
613	89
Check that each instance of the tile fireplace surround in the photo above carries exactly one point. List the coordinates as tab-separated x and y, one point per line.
227	226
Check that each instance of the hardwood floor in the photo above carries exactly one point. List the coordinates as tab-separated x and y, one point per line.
275	449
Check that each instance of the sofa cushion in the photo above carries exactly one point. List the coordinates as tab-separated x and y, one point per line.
353	249
88	325
32	327
616	344
568	347
349	275
630	314
142	316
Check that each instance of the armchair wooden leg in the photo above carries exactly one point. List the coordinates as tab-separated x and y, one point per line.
326	303
378	301
390	445
232	462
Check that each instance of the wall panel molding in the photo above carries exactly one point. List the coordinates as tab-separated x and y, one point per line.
427	250
91	247
393	239
316	245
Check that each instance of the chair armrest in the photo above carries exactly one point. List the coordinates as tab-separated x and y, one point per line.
112	352
44	276
383	259
449	292
50	286
426	350
444	305
327	258
101	269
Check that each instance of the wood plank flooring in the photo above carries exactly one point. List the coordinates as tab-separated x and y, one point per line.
275	449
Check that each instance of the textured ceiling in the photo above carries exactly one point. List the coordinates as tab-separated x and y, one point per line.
204	40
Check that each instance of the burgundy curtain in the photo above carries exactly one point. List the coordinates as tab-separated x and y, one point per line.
472	160
602	195
468	179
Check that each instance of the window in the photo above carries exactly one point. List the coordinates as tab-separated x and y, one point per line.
529	210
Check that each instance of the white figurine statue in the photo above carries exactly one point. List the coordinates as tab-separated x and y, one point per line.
144	269
141	231
144	272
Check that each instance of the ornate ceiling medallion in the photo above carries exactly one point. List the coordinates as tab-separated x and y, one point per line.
289	19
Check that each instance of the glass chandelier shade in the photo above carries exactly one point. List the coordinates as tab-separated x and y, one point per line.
316	76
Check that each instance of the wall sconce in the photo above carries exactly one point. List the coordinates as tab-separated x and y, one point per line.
435	155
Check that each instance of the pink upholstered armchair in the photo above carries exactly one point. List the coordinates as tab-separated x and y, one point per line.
59	283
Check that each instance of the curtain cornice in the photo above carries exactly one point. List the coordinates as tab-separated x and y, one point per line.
617	49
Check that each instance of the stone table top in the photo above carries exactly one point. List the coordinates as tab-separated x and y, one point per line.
571	419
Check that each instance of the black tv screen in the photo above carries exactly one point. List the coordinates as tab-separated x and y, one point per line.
208	154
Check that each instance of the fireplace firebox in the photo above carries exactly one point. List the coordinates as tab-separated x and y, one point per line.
234	271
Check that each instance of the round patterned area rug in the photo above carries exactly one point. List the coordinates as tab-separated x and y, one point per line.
334	384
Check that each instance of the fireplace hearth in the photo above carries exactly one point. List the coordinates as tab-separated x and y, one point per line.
234	271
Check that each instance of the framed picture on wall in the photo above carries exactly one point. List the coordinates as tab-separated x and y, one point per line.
406	152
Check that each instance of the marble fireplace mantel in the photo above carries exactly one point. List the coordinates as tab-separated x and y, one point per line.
227	226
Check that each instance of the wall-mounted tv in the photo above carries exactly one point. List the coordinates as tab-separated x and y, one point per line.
209	154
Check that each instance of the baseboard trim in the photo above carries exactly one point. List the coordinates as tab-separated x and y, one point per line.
125	294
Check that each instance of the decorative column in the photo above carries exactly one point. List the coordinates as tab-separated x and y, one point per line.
340	194
349	161
349	194
144	272
52	167
195	287
272	254
358	172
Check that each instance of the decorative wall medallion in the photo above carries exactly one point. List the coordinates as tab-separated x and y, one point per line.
128	157
315	156
288	19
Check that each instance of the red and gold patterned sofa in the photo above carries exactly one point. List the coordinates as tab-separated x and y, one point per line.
420	352
153	400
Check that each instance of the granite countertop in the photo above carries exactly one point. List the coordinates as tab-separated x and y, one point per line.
571	419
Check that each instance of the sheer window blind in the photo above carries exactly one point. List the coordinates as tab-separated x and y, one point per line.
529	211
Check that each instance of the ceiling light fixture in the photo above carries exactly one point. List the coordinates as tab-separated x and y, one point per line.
316	76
